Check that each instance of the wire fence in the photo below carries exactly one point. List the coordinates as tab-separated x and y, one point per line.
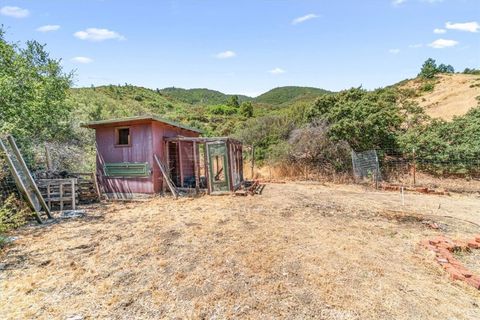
415	168
394	163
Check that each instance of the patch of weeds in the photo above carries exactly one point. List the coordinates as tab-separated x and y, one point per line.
427	86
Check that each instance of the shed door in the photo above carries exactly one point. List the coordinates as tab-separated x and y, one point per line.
218	166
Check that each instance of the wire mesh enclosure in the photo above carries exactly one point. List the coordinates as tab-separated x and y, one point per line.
365	165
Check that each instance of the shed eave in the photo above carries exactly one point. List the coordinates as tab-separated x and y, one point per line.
119	121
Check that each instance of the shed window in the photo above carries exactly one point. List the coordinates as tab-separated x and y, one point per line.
122	136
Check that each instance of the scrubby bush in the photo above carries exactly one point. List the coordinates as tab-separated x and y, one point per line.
222	110
313	147
366	119
13	214
447	147
246	109
427	86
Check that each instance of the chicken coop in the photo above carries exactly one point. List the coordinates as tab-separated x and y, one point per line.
148	155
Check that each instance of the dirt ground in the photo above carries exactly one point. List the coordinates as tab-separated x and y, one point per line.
453	95
296	251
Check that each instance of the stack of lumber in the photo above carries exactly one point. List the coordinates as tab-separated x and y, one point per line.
86	190
249	188
86	187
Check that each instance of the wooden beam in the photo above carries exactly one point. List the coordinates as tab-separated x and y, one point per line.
29	177
73	193
180	162
48	159
166	177
19	182
167	164
196	167
207	168
97	188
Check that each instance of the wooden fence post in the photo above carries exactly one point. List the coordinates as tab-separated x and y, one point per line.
414	168
253	159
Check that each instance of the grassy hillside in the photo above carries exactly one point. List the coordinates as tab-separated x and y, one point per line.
107	102
447	95
201	108
283	95
200	96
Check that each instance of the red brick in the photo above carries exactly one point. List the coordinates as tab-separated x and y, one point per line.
466	273
473	244
441	260
454	262
459	244
442	252
454	273
474	281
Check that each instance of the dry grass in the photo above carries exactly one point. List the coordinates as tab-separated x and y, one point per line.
297	251
453	95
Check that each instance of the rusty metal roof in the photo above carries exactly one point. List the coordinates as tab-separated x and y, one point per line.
94	124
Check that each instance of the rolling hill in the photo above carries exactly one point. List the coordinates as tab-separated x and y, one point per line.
283	95
200	96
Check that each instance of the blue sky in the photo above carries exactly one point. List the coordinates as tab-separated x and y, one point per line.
248	46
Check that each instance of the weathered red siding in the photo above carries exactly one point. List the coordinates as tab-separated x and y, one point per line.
146	140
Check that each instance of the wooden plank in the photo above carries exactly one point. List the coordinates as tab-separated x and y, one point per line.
230	165
97	188
66	199
207	168
196	167
167	163
48	158
73	194
19	181
61	197
49	196
29	177
180	162
167	178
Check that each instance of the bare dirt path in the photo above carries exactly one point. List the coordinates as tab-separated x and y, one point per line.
297	251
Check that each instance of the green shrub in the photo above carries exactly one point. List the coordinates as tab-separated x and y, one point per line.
429	69
222	110
428	86
13	214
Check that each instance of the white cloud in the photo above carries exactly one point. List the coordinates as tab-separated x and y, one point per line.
443	43
97	35
48	28
398	2
304	18
277	71
394	51
416	45
466	26
15	12
226	54
83	60
439	31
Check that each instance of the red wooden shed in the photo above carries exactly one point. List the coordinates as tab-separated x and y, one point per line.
126	165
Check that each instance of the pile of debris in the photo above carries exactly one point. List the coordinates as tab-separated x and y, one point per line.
444	249
249	187
425	190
